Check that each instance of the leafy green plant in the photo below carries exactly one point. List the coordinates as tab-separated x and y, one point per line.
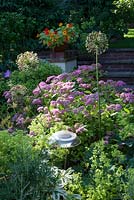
130	184
10	146
27	173
31	78
105	177
12	26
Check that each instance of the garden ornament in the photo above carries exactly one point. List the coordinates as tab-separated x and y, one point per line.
64	139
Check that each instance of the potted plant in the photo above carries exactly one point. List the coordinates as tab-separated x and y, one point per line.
57	41
60	37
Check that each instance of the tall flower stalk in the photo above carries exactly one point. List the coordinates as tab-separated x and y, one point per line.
97	43
98	89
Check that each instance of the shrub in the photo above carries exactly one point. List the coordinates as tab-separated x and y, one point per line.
27	79
16	32
105	176
130	185
10	147
31	77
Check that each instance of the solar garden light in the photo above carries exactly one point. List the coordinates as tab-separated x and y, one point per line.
64	139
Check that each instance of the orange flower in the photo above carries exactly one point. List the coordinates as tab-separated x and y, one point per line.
51	34
55	37
64	32
60	24
69	25
49	44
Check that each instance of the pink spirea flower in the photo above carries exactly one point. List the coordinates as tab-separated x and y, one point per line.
127	97
86	67
79	128
79	80
53	103
44	86
36	91
90	99
120	84
63	102
85	86
76	72
78	110
63	76
128	89
37	101
40	109
70	98
7	74
110	82
114	107
101	82
50	78
7	94
56	112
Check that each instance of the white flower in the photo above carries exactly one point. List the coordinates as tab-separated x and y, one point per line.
27	60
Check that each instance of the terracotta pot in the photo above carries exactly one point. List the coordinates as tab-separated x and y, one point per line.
61	48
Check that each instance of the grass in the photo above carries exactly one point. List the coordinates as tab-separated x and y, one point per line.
126	42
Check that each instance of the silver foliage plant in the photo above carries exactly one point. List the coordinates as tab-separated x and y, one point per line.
65	177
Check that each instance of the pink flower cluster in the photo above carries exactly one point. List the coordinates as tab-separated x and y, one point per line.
72	98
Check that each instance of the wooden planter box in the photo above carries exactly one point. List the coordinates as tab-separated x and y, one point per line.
65	60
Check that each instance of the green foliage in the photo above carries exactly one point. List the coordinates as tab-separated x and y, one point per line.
10	147
106	177
27	174
28	79
31	78
101	13
130	185
126	42
125	9
22	20
16	32
4	107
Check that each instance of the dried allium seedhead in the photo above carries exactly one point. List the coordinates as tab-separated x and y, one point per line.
96	40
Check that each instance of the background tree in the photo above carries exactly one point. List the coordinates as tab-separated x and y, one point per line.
21	20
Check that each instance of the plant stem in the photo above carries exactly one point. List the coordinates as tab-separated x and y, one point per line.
98	90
